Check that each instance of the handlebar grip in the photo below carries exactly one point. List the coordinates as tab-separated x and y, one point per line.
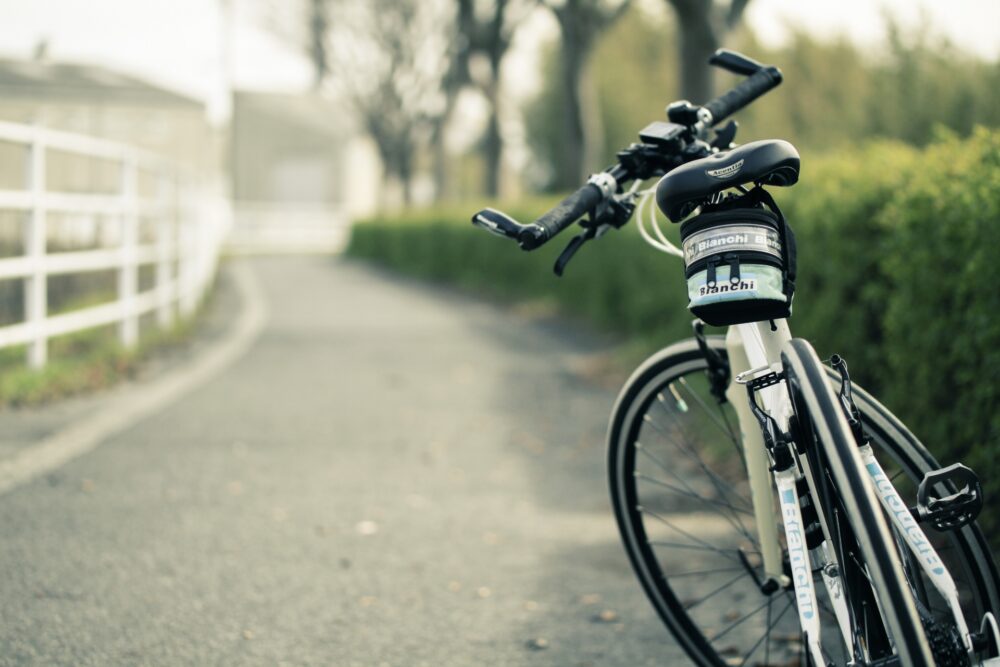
497	222
568	211
744	93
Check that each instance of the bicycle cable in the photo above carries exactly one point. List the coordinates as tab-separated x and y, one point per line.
661	243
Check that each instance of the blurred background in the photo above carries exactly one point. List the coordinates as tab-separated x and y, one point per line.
442	100
257	125
145	144
142	141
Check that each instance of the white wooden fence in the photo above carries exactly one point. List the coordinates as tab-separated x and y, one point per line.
186	225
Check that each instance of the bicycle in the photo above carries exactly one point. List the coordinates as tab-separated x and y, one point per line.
791	487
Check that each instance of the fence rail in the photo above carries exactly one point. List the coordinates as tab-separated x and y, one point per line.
186	218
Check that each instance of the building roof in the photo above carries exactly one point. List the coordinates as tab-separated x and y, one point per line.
76	82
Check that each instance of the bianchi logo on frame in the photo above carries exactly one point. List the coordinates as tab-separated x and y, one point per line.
726	172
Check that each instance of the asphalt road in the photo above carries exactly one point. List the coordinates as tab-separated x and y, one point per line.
393	475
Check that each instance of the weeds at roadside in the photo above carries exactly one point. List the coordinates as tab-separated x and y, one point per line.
88	361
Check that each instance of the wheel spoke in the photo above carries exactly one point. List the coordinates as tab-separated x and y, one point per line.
691	494
694	547
683	532
694	603
766	637
724	427
735	522
740	621
717	570
862	568
721	486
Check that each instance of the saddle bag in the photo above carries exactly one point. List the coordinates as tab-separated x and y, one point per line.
739	261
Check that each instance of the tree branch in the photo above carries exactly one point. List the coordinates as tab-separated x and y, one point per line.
735	14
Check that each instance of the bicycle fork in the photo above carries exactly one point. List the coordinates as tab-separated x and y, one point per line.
751	346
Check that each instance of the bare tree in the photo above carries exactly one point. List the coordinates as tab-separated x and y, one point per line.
702	25
483	31
480	33
319	24
389	59
581	22
487	29
456	77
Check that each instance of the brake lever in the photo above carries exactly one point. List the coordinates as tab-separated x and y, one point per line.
613	215
575	244
724	137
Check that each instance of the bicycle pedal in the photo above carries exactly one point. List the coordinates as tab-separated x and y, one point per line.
952	511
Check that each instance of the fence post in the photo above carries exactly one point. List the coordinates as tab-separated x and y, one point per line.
188	267
128	274
164	283
35	287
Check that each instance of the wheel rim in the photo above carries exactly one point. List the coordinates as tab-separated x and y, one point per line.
689	529
691	525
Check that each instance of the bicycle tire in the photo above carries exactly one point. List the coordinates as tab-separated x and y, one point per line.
900	452
834	453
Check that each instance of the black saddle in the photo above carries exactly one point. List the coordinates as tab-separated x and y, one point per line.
770	162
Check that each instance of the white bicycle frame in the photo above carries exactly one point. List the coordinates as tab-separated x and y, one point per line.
756	348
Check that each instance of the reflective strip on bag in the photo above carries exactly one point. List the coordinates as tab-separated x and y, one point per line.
731	238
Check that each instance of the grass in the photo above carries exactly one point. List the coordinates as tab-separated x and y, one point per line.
87	361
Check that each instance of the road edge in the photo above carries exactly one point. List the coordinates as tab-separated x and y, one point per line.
131	407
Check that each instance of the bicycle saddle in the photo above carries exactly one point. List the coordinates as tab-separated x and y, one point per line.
769	162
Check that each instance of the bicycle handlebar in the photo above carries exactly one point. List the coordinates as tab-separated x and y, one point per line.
566	212
743	93
598	188
685	146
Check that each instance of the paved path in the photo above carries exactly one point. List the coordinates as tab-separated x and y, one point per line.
392	475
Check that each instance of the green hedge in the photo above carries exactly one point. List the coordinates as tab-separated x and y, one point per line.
899	271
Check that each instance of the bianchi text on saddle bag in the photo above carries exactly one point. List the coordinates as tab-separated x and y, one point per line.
739	261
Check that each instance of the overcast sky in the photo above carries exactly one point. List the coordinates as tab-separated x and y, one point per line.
971	24
180	43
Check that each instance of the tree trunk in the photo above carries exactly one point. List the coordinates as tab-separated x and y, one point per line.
593	123
405	176
581	22
319	23
571	169
697	44
383	200
439	153
492	141
492	152
440	159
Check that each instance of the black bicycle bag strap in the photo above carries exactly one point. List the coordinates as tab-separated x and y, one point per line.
788	248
